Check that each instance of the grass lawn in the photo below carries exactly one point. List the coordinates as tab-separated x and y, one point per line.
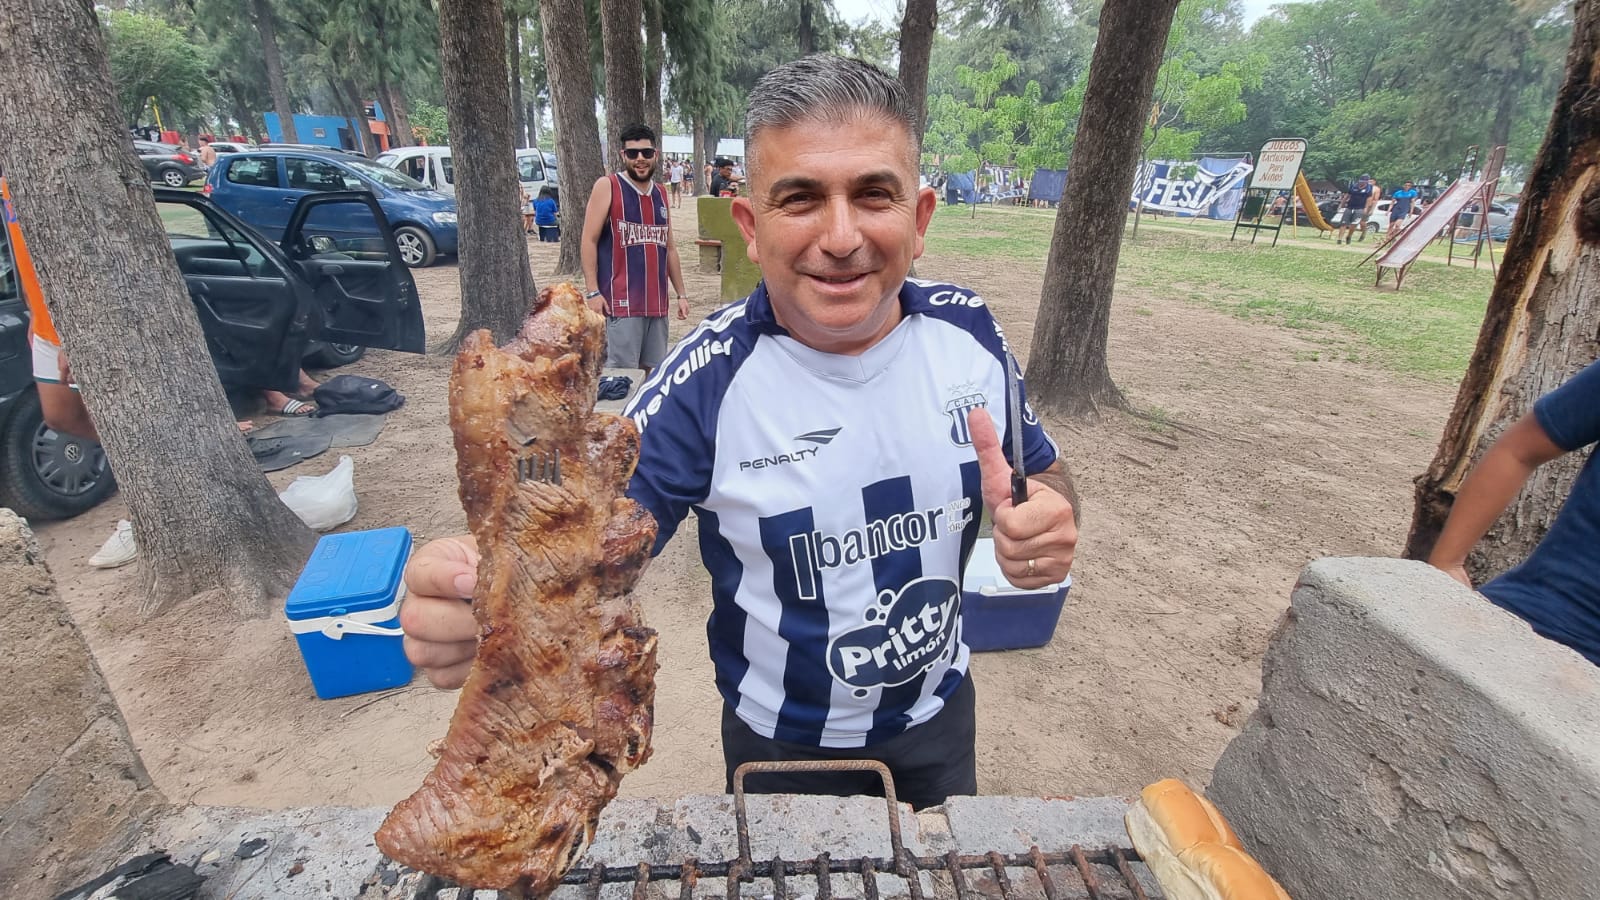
1428	329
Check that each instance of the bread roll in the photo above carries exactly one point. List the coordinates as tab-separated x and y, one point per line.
1188	845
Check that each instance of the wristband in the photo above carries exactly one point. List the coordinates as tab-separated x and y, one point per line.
591	295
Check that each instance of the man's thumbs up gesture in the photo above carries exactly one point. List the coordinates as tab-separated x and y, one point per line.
1034	542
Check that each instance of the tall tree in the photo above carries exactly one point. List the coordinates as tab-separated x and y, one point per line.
519	113
272	55
205	517
917	27
620	21
566	60
1542	325
654	51
151	60
1068	370
497	289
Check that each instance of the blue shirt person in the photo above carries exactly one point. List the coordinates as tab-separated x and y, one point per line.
1403	199
1557	588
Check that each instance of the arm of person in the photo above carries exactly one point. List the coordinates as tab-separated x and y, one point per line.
1488	490
675	274
1042	531
594	220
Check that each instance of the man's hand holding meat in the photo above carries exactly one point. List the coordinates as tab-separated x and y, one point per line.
441	634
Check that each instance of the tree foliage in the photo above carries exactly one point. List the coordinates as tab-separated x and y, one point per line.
153	61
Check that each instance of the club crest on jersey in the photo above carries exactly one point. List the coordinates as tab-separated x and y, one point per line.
957	410
904	635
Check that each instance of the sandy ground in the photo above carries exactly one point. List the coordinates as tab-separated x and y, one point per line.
1193	535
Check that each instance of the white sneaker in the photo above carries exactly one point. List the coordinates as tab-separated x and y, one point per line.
118	550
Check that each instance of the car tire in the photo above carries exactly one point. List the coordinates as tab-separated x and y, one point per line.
332	356
416	246
45	474
173	178
1372	228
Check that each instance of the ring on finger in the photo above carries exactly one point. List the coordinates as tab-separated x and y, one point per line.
1031	570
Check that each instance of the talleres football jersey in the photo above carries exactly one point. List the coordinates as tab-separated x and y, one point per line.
838	500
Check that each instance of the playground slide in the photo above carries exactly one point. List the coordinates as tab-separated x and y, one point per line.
1440	213
1302	192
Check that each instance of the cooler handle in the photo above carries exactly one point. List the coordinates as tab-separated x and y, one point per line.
338	628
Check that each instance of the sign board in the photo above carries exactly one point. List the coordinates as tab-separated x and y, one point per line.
1278	164
319	132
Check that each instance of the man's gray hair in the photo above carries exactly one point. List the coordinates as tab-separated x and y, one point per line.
828	88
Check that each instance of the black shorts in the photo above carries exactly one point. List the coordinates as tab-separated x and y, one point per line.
931	762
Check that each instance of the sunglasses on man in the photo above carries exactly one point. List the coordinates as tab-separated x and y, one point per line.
640	153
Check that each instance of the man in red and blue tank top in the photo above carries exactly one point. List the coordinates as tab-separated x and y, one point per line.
629	253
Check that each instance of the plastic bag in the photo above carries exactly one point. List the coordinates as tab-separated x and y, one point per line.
324	502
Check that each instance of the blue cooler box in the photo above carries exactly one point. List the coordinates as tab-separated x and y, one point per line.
345	612
997	616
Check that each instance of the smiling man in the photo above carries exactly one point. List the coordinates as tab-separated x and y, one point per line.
838	435
628	255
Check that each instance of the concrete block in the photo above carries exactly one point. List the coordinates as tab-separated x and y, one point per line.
297	853
73	792
1016	824
1413	740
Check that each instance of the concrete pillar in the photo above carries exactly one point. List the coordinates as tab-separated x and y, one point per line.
73	792
1415	741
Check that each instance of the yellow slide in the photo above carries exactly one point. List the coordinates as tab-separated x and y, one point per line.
1302	192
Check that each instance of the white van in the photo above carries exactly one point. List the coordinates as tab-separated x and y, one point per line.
434	167
536	169
430	165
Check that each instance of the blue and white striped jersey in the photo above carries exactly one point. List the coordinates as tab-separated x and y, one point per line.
838	499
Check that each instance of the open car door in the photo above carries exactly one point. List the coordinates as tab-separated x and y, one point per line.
256	315
344	246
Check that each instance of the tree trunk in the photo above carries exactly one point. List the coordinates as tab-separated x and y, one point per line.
519	121
566	61
393	113
249	126
1541	327
346	96
654	53
534	114
205	518
807	35
620	21
1067	368
917	27
358	105
497	289
261	10
702	186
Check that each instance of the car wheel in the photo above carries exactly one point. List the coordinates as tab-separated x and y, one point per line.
45	474
1372	228
416	246
332	356
173	178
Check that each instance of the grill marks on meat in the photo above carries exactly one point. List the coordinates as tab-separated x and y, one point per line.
558	704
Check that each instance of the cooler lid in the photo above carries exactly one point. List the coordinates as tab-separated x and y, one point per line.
350	572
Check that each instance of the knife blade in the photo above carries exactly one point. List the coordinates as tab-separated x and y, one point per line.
1019	472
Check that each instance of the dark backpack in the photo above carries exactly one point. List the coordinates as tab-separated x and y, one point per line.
355	394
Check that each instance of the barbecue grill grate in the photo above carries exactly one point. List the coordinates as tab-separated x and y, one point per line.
1105	874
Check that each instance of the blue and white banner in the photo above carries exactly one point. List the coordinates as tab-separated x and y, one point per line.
1214	187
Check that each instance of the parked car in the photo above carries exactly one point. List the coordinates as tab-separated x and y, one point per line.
168	164
261	187
231	147
314	148
434	167
265	309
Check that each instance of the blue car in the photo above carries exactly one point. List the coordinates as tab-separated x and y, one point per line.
263	187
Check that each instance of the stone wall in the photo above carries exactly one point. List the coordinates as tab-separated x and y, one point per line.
73	792
1415	741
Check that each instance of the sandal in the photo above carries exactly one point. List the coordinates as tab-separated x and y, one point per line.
297	408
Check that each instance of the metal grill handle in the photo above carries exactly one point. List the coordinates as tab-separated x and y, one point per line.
742	820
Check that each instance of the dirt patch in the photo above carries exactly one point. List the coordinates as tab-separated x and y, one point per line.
1255	458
